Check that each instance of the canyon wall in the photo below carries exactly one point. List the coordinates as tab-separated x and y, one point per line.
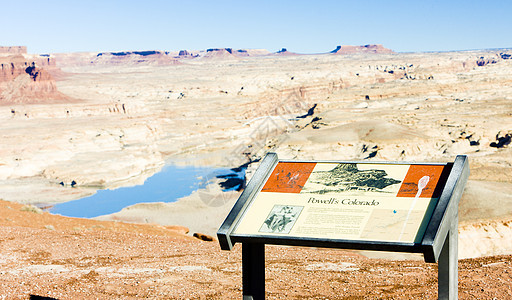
27	79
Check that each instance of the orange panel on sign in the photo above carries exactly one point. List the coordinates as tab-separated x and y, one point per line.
288	177
421	181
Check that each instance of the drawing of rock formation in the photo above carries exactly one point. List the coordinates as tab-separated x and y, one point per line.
346	177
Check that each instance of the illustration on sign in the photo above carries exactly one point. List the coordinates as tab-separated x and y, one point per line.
281	218
347	177
363	201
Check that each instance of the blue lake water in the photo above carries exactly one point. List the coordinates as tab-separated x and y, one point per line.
168	185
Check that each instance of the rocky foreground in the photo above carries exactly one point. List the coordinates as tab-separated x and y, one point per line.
65	258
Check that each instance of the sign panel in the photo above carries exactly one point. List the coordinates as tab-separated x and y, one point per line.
348	201
387	206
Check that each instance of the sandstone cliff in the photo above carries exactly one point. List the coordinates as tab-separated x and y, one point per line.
223	53
186	54
11	67
24	80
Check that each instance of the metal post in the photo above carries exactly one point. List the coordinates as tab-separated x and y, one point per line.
253	271
447	264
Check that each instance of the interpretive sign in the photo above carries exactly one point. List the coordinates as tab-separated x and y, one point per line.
405	207
352	201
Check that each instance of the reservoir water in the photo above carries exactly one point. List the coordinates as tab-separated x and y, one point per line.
168	185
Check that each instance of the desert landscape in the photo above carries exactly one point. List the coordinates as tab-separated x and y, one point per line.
76	123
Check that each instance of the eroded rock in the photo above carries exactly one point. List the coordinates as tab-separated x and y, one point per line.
204	237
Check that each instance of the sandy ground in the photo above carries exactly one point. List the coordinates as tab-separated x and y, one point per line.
66	258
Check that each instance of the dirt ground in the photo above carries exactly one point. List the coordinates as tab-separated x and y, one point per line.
43	255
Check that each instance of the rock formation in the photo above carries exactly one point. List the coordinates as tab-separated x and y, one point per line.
184	53
483	61
504	55
49	64
11	67
203	237
25	80
501	141
219	53
490	59
187	54
377	49
284	51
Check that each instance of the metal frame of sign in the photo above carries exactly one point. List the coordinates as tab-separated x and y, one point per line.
438	245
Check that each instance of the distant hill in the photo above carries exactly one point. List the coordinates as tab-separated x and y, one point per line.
377	49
